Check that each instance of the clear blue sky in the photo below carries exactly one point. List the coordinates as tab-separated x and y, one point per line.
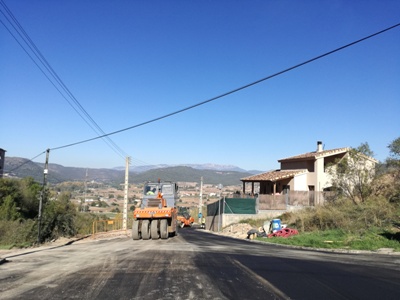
128	62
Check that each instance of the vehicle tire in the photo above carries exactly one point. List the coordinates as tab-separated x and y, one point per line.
164	228
145	229
154	230
135	230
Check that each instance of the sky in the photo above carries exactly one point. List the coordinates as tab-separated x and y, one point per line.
129	63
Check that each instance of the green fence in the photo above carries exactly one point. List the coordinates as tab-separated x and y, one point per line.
244	206
228	206
233	206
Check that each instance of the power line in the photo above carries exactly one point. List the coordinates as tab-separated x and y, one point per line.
139	163
28	41
25	162
234	90
36	165
41	58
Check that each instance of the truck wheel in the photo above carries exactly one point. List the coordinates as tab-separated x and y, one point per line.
154	230
145	229
135	230
164	229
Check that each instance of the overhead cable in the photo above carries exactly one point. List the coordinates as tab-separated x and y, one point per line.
79	109
25	162
234	90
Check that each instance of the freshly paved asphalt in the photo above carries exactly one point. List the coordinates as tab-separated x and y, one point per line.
195	265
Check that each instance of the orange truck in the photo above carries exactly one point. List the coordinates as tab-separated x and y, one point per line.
184	218
157	215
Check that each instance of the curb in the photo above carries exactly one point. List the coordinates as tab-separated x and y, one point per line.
19	252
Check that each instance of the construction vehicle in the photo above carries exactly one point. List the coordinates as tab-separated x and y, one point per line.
157	214
184	218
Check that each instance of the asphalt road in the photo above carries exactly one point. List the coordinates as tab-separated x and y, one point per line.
195	265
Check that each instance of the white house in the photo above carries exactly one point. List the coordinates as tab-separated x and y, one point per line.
303	172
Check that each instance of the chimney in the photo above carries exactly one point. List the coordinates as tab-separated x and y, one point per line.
319	146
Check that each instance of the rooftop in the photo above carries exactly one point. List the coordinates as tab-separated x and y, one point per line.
316	154
274	175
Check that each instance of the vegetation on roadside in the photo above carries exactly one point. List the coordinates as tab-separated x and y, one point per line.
372	240
19	210
368	226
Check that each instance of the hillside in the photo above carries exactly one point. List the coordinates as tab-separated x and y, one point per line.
189	174
21	167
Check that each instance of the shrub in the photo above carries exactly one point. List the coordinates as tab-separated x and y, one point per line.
17	233
84	223
344	215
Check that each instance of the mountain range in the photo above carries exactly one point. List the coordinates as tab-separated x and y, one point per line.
211	173
215	167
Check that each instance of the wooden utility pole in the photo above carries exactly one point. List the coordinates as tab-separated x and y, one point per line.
125	213
84	194
43	194
201	200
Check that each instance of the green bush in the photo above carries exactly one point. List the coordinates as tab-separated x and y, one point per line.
17	233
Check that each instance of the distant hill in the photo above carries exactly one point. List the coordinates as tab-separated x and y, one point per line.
183	173
215	167
21	167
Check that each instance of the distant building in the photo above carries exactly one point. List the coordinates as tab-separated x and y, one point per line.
2	158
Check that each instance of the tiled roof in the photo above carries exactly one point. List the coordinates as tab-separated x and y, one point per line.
315	154
274	175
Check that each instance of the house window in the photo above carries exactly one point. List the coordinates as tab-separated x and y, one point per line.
311	188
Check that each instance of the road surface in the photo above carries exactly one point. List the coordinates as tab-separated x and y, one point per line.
195	265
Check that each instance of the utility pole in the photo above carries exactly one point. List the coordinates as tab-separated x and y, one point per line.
125	213
84	194
43	193
201	199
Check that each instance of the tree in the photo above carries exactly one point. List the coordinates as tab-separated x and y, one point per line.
394	154
8	209
59	218
353	174
10	187
30	197
24	194
393	174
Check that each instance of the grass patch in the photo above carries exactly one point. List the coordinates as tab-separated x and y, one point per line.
6	247
372	240
342	225
13	246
